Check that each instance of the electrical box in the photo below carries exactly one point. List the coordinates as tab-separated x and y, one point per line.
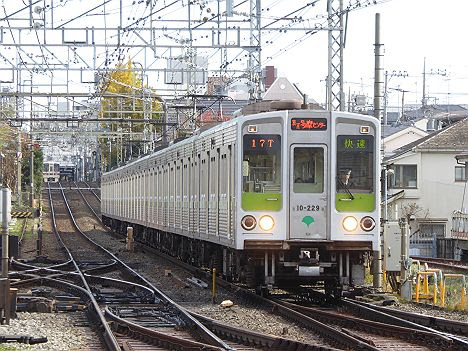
392	247
5	193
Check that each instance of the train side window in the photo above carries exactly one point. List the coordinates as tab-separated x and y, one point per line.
308	170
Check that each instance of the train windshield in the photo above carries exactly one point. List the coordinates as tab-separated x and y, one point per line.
308	170
261	172
355	164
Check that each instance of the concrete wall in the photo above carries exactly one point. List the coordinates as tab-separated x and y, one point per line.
437	193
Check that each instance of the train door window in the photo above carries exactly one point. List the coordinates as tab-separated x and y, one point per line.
308	170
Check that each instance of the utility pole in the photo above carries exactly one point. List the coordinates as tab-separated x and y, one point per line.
423	101
378	71
403	103
1	169
437	72
4	281
31	162
19	157
31	171
405	283
377	274
388	76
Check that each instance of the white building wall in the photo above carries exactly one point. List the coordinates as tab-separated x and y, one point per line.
402	138
442	195
437	193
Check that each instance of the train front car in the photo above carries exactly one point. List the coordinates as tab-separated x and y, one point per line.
309	194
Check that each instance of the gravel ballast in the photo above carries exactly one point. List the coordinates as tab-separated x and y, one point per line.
61	330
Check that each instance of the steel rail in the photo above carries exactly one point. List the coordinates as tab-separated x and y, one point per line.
92	191
204	333
329	333
443	263
389	318
371	326
87	203
322	329
109	338
438	323
166	340
241	335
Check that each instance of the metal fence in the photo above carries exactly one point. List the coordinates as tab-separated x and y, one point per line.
424	241
460	226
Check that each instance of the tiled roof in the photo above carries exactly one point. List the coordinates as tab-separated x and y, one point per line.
454	137
451	138
390	130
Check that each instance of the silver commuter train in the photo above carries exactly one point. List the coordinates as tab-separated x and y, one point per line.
279	198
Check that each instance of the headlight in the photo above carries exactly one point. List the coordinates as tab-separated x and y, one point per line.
266	223
350	223
367	223
248	222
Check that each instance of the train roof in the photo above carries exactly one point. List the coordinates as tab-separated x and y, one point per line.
263	109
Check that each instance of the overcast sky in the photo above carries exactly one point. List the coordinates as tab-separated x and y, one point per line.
410	31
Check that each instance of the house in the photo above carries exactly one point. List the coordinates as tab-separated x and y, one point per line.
433	184
282	89
395	137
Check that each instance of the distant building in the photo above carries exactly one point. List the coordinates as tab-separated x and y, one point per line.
282	89
270	74
395	137
427	184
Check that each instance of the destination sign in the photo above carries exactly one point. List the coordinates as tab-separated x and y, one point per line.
308	124
355	143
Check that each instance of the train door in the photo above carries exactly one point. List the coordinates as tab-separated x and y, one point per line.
308	192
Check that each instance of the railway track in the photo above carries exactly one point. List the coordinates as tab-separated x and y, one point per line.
443	263
134	324
232	336
362	332
101	291
458	328
383	334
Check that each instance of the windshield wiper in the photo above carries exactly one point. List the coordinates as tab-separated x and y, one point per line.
345	187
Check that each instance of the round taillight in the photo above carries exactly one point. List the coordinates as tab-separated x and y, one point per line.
367	224
248	222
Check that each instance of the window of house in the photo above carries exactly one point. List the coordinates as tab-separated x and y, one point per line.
460	175
405	176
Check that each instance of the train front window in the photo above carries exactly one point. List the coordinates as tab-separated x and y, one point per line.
308	170
355	173
261	172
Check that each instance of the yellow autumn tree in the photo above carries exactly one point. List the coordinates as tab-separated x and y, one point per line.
125	98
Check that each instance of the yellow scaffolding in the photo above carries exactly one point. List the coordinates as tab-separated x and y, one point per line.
426	295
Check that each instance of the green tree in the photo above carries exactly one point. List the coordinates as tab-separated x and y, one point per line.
8	150
125	97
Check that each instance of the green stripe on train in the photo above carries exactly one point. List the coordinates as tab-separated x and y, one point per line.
262	201
361	203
